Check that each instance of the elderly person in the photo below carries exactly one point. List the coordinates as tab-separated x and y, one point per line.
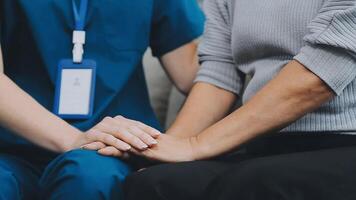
293	136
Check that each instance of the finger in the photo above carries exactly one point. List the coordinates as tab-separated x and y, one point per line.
107	139
135	152
150	154
110	151
146	138
117	128
151	131
131	139
94	146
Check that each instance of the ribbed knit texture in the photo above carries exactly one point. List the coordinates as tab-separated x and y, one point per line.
256	39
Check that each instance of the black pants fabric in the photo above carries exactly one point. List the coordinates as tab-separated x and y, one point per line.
294	167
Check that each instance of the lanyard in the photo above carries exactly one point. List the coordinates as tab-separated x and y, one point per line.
75	88
79	33
80	16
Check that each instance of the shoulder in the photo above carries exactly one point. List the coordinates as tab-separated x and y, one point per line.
223	8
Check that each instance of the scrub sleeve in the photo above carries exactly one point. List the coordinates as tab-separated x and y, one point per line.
175	23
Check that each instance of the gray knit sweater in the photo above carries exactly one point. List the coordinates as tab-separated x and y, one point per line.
257	38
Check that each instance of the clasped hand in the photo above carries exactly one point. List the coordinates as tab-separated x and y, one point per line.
119	137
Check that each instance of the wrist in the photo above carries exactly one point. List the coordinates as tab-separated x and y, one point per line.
200	151
69	142
176	132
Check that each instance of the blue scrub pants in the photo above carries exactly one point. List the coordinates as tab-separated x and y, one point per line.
78	174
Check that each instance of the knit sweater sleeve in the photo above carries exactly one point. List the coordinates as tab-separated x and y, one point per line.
217	63
330	50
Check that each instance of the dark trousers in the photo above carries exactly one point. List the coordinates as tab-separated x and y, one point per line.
294	167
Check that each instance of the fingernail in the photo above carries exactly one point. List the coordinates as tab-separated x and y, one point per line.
153	142
144	146
127	147
158	133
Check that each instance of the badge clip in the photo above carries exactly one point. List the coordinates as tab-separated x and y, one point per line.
78	49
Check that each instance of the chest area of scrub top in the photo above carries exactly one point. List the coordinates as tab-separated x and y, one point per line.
117	35
121	25
266	29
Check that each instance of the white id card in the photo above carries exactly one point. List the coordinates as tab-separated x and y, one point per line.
74	98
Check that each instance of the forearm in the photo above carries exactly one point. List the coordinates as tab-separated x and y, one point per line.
293	93
182	65
205	106
24	116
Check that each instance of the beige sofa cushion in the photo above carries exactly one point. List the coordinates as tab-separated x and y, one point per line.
165	99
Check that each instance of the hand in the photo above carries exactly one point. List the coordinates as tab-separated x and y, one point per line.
172	149
118	135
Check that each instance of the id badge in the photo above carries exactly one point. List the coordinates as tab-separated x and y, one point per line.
75	88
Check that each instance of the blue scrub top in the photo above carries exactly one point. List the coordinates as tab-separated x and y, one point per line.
36	34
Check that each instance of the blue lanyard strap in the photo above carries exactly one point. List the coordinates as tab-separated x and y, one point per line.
80	16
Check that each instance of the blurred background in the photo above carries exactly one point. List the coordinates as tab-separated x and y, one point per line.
166	100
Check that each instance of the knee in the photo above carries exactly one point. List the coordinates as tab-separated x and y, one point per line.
145	184
89	172
253	175
140	184
90	166
252	180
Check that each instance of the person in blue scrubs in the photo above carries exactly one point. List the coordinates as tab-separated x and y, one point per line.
40	155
